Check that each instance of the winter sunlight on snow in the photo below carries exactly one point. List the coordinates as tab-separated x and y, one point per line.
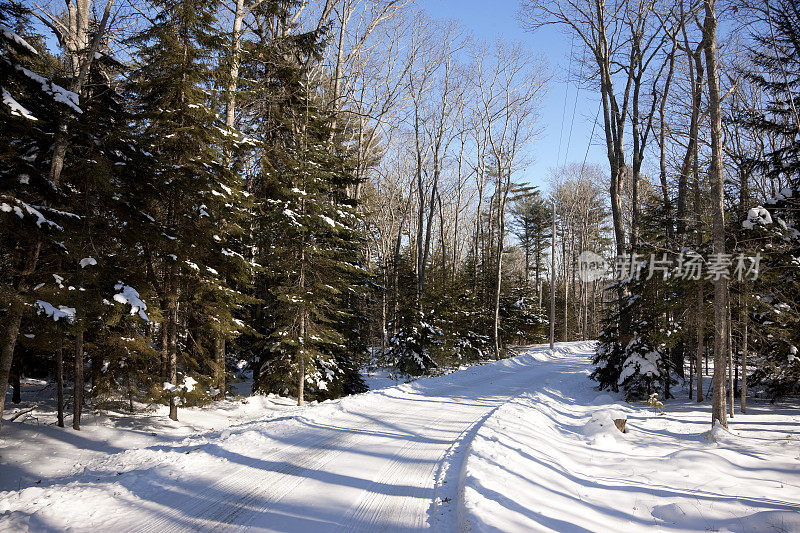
399	265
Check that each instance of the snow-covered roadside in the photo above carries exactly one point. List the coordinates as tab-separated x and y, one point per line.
515	445
34	449
552	460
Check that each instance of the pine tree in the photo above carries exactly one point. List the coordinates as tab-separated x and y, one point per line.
773	229
531	225
188	193
643	365
305	233
313	265
32	218
98	174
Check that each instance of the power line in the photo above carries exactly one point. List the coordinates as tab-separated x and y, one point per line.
566	94
589	144
574	109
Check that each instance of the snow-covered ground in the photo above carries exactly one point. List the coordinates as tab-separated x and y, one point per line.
553	460
523	444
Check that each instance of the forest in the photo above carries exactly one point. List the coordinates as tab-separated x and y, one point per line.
193	189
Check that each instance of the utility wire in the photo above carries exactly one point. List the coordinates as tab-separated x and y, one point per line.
566	94
574	109
589	144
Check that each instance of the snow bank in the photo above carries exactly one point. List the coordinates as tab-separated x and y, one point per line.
601	432
553	460
504	446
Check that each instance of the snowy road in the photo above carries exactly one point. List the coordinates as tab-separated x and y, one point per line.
387	460
524	444
383	464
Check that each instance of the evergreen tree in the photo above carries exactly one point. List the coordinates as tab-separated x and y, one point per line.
187	192
643	365
306	226
33	211
775	311
531	225
774	229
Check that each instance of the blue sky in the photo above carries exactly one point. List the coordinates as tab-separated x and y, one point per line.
489	18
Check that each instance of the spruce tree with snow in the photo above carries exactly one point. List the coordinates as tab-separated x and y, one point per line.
523	319
80	272
305	229
411	349
644	363
773	230
313	260
33	211
98	174
188	194
774	309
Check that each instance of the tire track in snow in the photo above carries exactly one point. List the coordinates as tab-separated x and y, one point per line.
373	507
249	484
385	460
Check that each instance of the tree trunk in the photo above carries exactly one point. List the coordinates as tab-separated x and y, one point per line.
172	353
301	353
81	53
442	241
236	46
301	377
745	325
60	381
502	196
729	346
566	284
718	411
636	164
384	303
129	383
163	366
396	276
428	233
219	366
662	145
77	392
700	337
553	280
695	63
16	375
9	340
96	368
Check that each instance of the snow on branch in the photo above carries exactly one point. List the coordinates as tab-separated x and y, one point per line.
22	208
15	39
58	93
17	109
128	295
757	216
56	313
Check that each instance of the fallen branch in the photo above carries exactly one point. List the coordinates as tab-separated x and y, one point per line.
21	413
